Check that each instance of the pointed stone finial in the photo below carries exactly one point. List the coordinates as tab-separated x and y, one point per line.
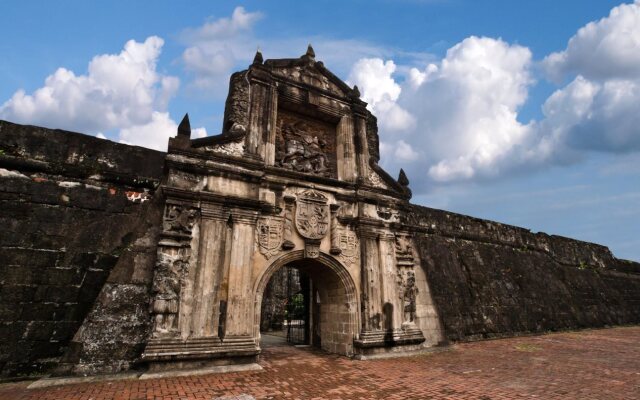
257	59
402	178
310	53
184	129
356	91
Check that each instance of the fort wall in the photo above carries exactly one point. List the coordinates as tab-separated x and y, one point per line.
81	218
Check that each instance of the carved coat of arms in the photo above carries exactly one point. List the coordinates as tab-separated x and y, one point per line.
269	236
312	215
348	242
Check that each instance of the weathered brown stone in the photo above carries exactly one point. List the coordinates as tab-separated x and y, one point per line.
117	257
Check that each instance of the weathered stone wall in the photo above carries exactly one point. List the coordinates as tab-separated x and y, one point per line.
77	213
491	280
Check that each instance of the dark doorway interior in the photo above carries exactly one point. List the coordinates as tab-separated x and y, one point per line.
285	307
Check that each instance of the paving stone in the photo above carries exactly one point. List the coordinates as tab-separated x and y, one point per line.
595	364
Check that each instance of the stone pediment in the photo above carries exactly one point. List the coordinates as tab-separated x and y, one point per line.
307	72
301	121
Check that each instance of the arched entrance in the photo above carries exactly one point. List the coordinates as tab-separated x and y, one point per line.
333	307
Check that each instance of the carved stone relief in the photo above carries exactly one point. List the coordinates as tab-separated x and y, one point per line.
172	265
309	76
269	236
305	145
409	295
235	149
404	250
237	105
312	215
376	181
348	243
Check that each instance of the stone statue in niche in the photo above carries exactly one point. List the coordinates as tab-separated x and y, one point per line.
409	297
304	145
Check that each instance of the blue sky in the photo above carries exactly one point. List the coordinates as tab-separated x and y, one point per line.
521	112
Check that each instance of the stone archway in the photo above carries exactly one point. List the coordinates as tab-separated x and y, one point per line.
334	293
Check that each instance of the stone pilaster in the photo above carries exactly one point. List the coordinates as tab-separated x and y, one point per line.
335	232
270	143
287	242
206	307
363	151
371	304
346	154
391	296
239	322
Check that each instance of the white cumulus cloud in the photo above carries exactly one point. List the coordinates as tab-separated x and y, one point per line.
378	88
216	47
120	93
464	110
602	49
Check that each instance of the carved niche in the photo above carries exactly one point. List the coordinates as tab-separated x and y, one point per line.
409	296
269	232
305	145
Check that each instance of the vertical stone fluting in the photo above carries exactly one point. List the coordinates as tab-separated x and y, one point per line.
371	304
345	150
204	318
391	298
239	322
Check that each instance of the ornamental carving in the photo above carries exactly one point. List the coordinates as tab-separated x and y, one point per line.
305	145
269	231
404	250
348	243
312	215
409	297
179	219
172	264
235	149
237	105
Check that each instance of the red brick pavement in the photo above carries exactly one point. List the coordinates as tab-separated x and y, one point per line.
597	364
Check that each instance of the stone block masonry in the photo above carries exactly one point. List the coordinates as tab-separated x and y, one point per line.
76	211
494	280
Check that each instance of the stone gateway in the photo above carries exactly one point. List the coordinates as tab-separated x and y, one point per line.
303	189
118	257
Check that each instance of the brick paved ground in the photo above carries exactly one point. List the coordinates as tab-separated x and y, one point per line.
597	364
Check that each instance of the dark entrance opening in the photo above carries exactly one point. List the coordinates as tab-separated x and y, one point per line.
308	302
286	307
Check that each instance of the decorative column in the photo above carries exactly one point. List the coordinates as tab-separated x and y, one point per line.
391	295
363	150
270	143
345	149
335	231
239	322
287	243
371	296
